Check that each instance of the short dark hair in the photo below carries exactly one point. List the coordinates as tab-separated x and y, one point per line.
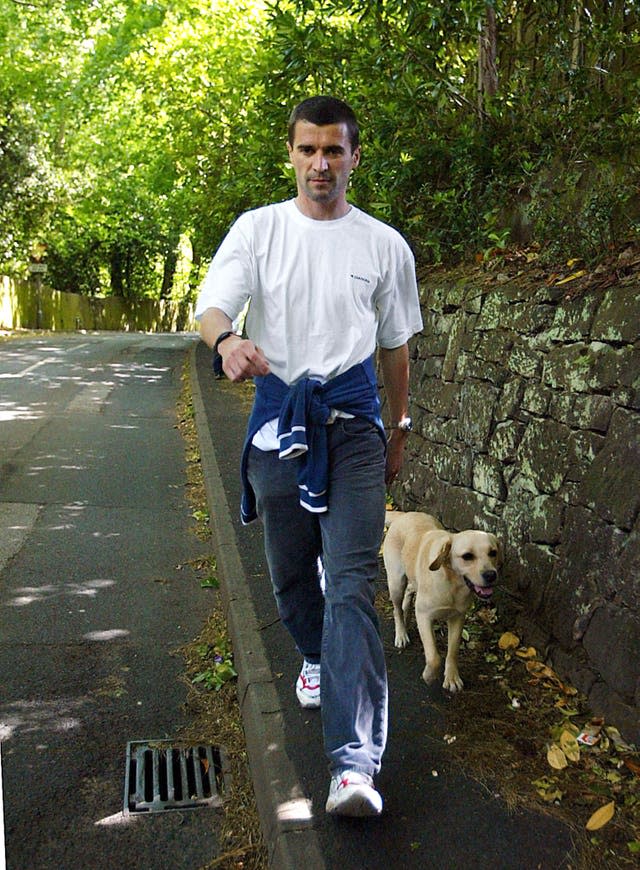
325	110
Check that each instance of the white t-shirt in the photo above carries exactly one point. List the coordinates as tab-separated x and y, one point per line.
323	293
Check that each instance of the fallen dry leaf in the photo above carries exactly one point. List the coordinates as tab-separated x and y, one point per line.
580	274
633	766
556	757
529	653
601	817
508	641
569	746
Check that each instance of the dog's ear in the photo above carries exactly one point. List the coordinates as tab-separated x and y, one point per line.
442	557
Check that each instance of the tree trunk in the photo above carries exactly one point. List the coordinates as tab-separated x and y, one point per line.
116	273
487	58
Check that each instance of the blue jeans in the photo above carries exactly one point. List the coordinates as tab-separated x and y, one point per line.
340	628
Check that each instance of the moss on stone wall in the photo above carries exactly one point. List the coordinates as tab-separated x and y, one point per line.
526	405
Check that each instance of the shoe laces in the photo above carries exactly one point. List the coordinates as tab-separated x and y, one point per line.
352	777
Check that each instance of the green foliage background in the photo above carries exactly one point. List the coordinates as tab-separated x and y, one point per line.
132	132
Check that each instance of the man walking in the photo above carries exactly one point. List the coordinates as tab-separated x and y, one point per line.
328	285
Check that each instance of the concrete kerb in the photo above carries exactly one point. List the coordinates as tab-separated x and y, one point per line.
285	813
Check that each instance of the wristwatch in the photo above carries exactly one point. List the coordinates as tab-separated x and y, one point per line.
221	338
404	425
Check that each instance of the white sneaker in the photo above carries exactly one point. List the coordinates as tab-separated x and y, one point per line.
308	685
352	794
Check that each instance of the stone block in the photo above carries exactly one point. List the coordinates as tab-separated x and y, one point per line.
536	398
583	448
477	402
487	477
627	397
510	399
533	320
473	301
615	366
431	343
570	367
470	366
618	317
574	668
612	642
589	553
561	406
573	319
525	361
435	429
447	463
611	486
591	412
505	440
465	509
628	569
441	398
542	454
517	514
494	311
537	564
494	346
453	347
609	704
597	367
546	519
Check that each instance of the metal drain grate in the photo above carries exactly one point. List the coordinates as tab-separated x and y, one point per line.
161	776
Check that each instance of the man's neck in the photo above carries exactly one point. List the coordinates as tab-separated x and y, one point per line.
322	211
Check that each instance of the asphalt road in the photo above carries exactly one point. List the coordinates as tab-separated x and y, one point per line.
95	596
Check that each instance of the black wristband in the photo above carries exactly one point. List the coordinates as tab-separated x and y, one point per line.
221	338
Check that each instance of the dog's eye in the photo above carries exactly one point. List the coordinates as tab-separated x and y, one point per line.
493	553
468	557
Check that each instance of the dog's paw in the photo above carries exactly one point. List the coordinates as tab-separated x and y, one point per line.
401	639
430	674
452	682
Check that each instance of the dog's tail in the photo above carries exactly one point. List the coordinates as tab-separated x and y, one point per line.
390	516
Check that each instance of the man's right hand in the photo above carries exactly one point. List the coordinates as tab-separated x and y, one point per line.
241	359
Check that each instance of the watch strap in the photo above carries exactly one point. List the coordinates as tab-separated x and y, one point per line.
221	338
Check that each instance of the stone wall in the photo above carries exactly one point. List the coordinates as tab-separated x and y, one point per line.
526	412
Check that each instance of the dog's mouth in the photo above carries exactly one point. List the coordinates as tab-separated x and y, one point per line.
483	592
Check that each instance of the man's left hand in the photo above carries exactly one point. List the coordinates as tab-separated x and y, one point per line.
395	455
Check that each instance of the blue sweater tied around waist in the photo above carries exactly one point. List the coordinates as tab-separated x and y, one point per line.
303	411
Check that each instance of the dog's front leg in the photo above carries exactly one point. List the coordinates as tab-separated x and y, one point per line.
452	680
398	592
431	656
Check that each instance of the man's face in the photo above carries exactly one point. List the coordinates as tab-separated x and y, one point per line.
322	159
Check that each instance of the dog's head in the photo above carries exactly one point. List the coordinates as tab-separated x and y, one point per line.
475	557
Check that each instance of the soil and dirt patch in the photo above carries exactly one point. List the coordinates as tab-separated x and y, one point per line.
523	733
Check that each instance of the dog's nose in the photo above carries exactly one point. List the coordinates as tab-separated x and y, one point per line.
489	577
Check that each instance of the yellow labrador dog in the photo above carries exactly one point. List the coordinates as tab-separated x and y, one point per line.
443	571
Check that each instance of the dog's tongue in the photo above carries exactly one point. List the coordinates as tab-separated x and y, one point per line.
483	591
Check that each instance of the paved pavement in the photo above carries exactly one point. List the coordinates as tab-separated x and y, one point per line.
434	817
96	594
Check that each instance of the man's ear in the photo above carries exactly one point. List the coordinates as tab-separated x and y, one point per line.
355	157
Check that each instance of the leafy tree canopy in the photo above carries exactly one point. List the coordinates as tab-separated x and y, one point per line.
132	132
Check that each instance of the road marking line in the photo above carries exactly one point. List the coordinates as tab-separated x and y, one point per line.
30	368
